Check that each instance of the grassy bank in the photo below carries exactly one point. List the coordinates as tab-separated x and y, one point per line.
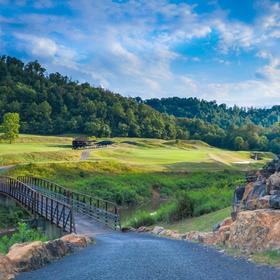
123	184
133	171
202	223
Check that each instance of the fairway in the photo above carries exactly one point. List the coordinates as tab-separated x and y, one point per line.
160	155
139	153
33	148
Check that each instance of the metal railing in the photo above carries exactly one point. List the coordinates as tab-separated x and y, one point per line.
55	211
98	209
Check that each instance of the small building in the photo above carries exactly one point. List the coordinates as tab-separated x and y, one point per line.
83	143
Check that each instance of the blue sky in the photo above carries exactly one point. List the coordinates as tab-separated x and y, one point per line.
224	50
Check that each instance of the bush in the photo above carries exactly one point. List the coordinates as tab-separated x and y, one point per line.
180	208
24	234
142	218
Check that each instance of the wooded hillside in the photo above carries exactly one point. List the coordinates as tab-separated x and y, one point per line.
54	104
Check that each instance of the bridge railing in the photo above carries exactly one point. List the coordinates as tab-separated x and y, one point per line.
57	212
101	210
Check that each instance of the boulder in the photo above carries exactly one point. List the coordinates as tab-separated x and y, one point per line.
258	190
273	183
30	256
79	241
143	229
7	269
157	230
202	237
274	201
256	231
263	202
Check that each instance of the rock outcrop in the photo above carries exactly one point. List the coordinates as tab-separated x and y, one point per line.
7	269
261	193
33	255
255	231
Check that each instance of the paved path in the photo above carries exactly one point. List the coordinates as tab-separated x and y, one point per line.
131	256
6	168
85	155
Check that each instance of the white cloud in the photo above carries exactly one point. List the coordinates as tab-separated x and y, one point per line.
130	47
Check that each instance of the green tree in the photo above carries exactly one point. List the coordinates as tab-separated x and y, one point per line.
10	126
239	143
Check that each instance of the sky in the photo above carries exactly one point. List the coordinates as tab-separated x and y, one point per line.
223	50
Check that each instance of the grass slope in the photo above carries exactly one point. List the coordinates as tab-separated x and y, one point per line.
202	223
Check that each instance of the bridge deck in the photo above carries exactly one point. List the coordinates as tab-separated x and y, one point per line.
55	211
85	208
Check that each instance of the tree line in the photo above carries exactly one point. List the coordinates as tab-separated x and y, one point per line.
55	104
234	127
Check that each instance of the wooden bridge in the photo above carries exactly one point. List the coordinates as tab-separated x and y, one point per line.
59	205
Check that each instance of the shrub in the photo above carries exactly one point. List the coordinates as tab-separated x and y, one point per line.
24	234
142	218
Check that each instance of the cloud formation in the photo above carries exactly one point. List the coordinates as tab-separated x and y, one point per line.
155	48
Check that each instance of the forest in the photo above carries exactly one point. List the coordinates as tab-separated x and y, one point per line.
237	128
55	104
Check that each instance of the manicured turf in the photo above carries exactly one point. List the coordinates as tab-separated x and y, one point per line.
161	155
32	148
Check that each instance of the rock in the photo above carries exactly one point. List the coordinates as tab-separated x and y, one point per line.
258	190
225	222
247	191
157	230
143	229
273	183
30	256
202	237
256	231
238	195
77	240
7	269
274	201
263	202
175	235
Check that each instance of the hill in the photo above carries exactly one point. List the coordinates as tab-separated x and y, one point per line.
218	114
54	104
227	127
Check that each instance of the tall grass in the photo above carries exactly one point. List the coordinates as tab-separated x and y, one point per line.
125	185
185	205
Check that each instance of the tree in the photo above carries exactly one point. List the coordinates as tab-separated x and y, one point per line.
10	126
239	143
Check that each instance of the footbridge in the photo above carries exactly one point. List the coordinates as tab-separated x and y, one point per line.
65	208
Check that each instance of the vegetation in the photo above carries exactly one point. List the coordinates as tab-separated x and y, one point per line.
11	215
186	204
10	127
31	148
54	104
271	257
24	234
200	223
228	127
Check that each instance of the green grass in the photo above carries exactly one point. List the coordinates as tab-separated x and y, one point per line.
201	223
161	155
32	148
132	169
271	257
